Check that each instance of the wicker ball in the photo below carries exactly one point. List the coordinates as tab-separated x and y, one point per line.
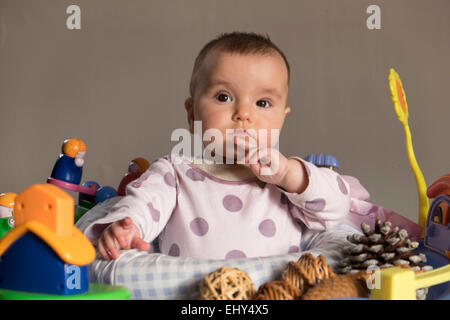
277	290
227	284
307	272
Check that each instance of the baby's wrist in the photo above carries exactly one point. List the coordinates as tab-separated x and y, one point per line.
294	179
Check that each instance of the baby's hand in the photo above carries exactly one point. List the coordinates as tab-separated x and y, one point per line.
266	163
271	166
122	234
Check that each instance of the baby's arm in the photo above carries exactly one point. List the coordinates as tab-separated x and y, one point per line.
148	204
324	201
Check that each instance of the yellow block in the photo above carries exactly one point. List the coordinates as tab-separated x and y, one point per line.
395	284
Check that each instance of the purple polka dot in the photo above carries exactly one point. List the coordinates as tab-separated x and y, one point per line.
235	254
140	180
199	226
283	199
195	175
294	249
267	228
155	213
232	203
341	185
315	205
169	179
174	250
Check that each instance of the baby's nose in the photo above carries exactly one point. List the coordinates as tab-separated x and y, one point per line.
244	112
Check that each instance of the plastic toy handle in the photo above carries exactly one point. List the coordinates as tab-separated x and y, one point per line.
401	108
420	181
433	277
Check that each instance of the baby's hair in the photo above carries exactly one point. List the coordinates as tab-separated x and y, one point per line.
236	42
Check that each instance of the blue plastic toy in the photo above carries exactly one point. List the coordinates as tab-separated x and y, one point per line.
323	160
105	193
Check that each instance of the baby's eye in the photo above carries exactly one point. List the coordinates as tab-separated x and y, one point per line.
263	103
223	97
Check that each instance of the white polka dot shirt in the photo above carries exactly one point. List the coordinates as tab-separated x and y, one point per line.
195	214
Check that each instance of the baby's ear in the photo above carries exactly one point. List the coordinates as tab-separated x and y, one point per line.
189	106
287	110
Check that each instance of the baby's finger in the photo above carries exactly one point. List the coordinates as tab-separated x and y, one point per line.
246	142
141	245
102	250
126	223
111	245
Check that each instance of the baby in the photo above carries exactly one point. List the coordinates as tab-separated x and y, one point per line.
254	205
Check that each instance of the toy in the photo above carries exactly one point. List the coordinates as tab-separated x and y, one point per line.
135	169
307	272
323	160
6	209
339	286
68	169
227	284
277	290
401	284
401	108
437	236
45	256
69	166
104	193
298	278
7	204
6	224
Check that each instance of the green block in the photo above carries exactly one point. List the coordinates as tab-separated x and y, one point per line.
96	292
79	212
6	224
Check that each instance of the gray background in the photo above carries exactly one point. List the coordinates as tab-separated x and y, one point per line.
119	83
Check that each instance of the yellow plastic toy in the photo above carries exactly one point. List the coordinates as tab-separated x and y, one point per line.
47	211
401	108
7	204
7	199
401	284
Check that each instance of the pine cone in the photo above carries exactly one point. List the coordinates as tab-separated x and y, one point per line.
385	246
339	286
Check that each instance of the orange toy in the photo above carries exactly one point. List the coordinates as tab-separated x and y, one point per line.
47	211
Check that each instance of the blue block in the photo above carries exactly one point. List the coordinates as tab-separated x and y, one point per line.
30	265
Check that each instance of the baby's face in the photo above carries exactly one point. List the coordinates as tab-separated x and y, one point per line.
236	91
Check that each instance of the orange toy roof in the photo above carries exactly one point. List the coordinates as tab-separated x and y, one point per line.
48	212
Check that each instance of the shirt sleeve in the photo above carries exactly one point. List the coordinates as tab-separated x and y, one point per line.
325	201
149	202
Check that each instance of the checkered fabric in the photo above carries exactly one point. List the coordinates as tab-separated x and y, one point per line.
150	275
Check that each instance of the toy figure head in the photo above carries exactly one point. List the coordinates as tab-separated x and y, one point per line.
75	148
7	204
138	166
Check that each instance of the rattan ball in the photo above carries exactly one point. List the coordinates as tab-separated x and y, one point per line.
277	290
227	284
307	272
